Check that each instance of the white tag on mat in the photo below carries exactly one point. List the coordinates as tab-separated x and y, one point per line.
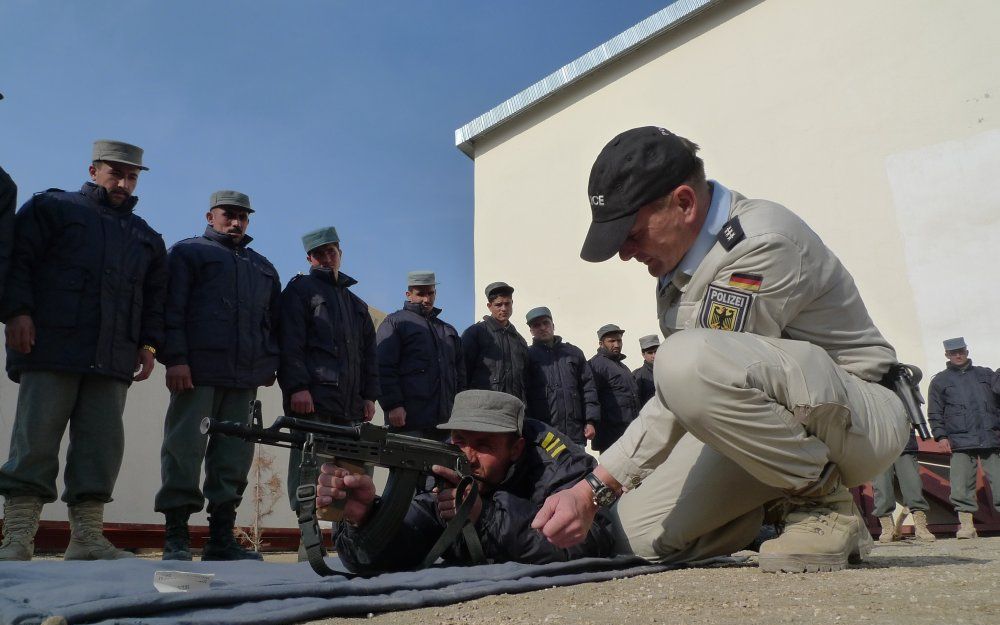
181	581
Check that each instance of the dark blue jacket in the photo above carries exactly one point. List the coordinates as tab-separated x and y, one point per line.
8	202
963	408
495	357
644	382
221	312
327	341
561	389
92	277
421	366
616	388
550	463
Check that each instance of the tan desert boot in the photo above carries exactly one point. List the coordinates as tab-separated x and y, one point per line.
87	541
920	526
820	534
888	529
968	528
20	523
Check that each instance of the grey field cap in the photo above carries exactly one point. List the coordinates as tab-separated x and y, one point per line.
535	313
316	238
228	197
118	152
649	341
421	278
498	286
485	411
955	343
609	329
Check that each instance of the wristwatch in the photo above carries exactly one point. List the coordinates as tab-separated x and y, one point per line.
604	496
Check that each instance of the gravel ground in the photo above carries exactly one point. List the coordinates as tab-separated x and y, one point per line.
907	583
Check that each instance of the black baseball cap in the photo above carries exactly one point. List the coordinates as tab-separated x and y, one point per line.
635	168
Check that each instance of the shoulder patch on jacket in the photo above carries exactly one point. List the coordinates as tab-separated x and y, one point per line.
725	308
552	444
731	233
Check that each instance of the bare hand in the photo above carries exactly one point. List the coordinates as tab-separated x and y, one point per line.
179	378
20	333
447	503
589	432
566	516
302	402
945	445
338	483
369	410
397	417
144	363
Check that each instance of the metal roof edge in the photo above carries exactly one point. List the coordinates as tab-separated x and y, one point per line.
615	48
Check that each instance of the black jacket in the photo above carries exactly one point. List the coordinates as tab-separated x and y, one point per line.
92	277
421	366
222	306
550	463
644	382
616	388
8	202
561	389
963	408
327	341
495	357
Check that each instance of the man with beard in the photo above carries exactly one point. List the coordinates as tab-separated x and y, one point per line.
644	375
495	353
219	347
421	363
617	391
517	463
83	306
561	388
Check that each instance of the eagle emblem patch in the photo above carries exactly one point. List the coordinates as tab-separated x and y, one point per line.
725	309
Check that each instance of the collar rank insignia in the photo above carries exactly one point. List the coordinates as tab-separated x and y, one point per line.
725	309
746	281
731	233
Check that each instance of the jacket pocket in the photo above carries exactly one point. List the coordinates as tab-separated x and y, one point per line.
58	303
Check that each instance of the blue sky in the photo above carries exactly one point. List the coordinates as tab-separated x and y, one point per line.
324	112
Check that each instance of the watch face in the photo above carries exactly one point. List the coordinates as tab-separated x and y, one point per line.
605	497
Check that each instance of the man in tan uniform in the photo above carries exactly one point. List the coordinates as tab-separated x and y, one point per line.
776	375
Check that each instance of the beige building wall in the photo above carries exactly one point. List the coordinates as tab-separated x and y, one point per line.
878	122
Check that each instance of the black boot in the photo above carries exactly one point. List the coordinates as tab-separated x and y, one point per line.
177	545
221	543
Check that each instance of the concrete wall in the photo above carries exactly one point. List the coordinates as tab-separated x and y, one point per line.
878	122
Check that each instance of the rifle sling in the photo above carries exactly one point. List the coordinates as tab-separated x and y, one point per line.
459	525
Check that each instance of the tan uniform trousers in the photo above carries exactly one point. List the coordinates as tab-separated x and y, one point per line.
740	420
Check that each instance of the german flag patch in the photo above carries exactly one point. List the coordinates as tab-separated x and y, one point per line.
746	281
552	444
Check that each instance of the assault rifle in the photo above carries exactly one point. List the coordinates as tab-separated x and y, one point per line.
409	460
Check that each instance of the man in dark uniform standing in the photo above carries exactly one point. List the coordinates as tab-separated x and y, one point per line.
219	347
8	202
421	363
616	387
495	354
328	371
561	389
83	306
644	374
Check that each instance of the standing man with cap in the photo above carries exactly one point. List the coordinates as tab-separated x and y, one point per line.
222	304
83	306
771	364
964	416
644	374
420	361
328	370
617	390
495	353
516	462
8	202
561	389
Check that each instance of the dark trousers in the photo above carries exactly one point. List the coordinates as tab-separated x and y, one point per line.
964	465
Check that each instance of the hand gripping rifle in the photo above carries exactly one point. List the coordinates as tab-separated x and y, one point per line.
904	380
409	460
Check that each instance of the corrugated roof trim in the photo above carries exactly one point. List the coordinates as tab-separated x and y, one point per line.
622	44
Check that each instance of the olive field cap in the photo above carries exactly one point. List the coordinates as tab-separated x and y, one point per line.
118	152
635	168
420	278
317	238
535	313
609	329
228	197
649	342
485	411
956	343
498	288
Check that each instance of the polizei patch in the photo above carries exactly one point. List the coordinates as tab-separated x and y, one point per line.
725	309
